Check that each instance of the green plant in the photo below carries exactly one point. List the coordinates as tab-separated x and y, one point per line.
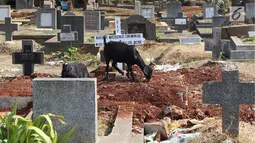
158	37
90	40
17	129
251	39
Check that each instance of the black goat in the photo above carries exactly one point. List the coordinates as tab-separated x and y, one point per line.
124	53
74	70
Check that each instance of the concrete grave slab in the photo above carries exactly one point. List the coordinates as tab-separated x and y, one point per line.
75	99
46	18
139	24
8	28
27	57
5	11
229	93
147	11
77	24
92	20
173	9
209	11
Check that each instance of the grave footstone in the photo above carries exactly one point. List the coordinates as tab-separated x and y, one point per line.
27	57
75	99
77	24
229	93
46	18
190	40
5	11
67	36
173	8
92	20
8	28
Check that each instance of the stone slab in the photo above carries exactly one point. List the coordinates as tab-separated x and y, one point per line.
190	40
5	11
92	20
77	24
173	9
147	11
8	102
237	30
137	7
241	55
250	10
78	105
46	18
209	11
21	4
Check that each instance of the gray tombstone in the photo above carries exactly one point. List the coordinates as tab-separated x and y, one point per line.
250	10
190	40
73	98
92	20
21	4
216	43
27	57
46	18
218	21
102	22
147	11
8	28
173	8
229	93
5	11
139	24
67	36
77	24
209	11
137	7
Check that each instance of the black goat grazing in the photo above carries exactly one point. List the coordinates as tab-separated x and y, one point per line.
124	53
74	70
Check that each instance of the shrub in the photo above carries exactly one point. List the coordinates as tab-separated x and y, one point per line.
17	129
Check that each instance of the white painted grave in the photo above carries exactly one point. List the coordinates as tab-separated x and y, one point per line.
209	12
46	19
4	12
147	13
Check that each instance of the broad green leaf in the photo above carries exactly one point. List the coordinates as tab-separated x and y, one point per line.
66	137
40	133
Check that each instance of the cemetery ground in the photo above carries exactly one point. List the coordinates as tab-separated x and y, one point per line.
151	99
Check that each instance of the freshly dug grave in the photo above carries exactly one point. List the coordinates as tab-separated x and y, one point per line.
150	97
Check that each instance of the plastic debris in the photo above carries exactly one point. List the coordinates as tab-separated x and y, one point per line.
167	68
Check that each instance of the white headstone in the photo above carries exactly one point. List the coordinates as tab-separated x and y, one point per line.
46	19
251	33
147	13
4	12
180	21
67	37
117	26
209	12
190	40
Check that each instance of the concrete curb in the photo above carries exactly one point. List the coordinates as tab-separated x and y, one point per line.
8	102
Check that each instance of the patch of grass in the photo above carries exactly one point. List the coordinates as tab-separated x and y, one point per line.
250	39
90	40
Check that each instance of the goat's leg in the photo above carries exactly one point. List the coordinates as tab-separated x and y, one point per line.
107	70
131	71
127	74
114	64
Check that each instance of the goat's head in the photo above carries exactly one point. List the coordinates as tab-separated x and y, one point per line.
66	70
148	72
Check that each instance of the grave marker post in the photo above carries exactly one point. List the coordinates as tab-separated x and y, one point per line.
229	94
8	28
67	36
27	57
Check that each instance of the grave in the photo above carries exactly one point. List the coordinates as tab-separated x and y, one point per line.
240	50
173	9
251	33
92	20
21	4
46	18
77	24
229	93
8	28
209	11
78	105
190	40
59	15
5	11
139	24
250	10
67	36
27	57
69	13
147	11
